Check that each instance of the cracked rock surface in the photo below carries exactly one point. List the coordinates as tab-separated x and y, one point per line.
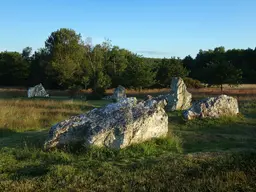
37	91
179	98
116	125
213	107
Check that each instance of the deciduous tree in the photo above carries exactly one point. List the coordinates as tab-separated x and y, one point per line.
67	53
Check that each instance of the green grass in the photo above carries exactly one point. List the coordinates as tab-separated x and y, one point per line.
199	155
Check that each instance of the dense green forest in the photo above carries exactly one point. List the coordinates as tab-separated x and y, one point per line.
66	61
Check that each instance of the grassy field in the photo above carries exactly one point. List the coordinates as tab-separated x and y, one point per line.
200	155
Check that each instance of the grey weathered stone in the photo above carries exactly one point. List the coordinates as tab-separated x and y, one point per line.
179	98
148	97
119	93
116	125
213	107
37	91
108	97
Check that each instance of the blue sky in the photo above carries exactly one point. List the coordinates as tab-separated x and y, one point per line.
154	28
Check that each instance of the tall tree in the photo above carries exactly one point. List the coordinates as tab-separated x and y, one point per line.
26	53
117	64
96	57
138	74
40	70
14	69
188	62
224	73
170	68
67	53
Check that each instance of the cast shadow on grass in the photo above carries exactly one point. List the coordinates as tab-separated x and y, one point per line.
192	136
18	140
30	171
212	135
5	132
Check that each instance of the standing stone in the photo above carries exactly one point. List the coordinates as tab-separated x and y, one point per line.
148	97
37	91
179	98
213	107
116	125
119	93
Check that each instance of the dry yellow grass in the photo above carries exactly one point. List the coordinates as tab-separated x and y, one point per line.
20	114
244	89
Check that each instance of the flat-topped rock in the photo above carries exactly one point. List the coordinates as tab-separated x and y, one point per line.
213	107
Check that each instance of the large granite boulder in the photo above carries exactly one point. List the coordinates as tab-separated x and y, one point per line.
37	91
213	107
116	125
179	98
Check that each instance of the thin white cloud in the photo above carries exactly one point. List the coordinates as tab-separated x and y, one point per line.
154	52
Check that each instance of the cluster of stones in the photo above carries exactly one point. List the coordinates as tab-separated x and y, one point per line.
128	121
212	107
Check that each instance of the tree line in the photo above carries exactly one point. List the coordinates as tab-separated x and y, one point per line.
67	61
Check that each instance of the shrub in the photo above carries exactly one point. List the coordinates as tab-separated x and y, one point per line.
97	94
73	91
193	83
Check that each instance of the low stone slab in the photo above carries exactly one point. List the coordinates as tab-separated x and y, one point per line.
213	107
116	125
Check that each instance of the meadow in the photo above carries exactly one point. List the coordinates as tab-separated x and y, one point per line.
199	155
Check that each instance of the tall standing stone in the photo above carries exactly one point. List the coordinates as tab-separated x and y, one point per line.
119	93
179	98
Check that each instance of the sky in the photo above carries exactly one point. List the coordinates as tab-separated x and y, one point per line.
152	28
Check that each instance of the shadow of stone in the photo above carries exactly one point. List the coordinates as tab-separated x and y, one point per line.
176	117
30	171
211	135
19	140
5	132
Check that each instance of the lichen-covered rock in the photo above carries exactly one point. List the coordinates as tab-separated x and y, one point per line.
213	107
37	91
119	93
116	125
179	98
